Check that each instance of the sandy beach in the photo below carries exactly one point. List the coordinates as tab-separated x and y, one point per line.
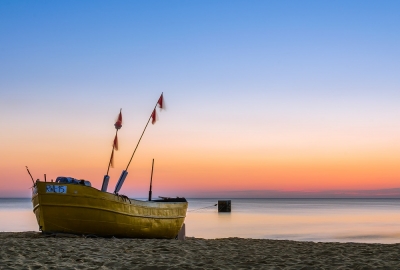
31	250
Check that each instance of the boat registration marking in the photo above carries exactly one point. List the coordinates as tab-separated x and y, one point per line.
56	189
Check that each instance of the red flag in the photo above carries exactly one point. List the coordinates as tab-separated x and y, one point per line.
115	144
153	117
112	159
160	102
118	124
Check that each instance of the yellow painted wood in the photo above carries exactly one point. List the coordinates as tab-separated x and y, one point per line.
86	210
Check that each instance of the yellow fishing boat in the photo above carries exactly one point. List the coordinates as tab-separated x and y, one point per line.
73	206
77	208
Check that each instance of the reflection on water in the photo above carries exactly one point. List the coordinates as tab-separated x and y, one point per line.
16	215
340	220
17	221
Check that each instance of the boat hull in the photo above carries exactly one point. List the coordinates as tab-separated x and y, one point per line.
78	209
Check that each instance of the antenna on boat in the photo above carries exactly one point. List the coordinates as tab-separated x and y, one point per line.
153	116
33	181
117	125
151	179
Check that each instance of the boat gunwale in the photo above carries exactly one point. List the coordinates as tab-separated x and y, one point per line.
109	199
107	210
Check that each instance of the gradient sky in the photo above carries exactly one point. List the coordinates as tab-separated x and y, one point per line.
286	96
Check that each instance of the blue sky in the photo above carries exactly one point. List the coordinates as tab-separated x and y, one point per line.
253	43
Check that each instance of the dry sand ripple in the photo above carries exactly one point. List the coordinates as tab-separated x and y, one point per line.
30	250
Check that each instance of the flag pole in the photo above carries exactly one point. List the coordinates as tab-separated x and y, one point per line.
148	121
112	153
106	178
151	180
125	172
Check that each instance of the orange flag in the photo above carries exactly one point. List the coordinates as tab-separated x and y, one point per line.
118	124
115	144
160	102
153	117
112	159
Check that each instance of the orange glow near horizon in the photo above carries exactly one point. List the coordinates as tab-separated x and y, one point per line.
200	170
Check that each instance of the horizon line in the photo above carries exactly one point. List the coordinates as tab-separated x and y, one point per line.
255	198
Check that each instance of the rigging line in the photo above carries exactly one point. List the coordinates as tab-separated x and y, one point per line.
203	208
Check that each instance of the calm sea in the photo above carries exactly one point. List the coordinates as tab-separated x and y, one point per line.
338	220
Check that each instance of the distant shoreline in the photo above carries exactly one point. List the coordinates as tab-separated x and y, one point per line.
232	198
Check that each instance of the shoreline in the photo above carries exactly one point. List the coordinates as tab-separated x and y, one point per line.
63	251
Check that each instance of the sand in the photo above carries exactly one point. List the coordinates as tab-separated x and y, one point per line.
30	250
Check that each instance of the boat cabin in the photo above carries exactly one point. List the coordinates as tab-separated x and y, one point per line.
71	180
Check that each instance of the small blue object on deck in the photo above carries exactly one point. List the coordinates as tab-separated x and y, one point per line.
224	205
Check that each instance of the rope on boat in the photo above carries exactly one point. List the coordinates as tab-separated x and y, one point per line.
123	197
202	208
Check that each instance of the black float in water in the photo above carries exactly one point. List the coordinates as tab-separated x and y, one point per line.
224	206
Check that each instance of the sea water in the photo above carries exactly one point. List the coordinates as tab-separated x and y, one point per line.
319	220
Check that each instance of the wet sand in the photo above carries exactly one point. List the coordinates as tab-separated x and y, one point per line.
31	250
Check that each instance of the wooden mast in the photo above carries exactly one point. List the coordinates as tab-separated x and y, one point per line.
151	179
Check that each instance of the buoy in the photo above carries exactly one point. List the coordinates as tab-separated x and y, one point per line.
224	205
